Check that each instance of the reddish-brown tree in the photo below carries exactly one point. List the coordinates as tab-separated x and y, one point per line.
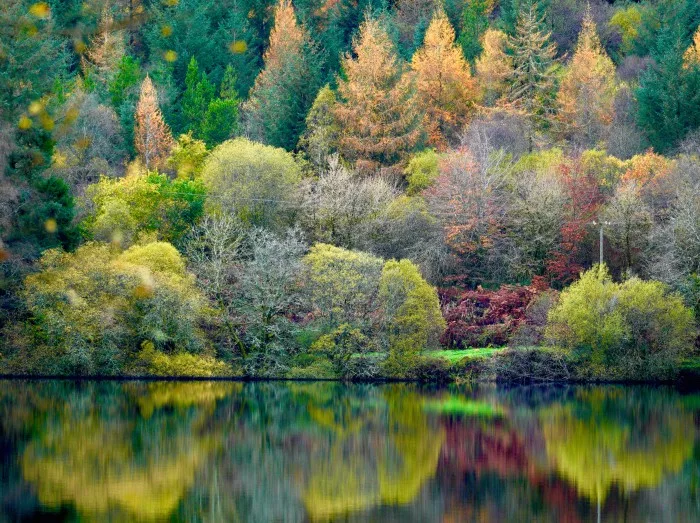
152	135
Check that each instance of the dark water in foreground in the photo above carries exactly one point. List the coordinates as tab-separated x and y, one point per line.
220	451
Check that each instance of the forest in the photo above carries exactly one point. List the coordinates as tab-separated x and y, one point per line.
350	189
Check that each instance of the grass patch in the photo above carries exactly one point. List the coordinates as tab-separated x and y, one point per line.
457	355
462	407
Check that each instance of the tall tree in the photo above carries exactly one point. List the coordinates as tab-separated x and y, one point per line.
199	92
152	135
445	88
669	93
494	66
475	21
285	89
377	104
587	94
532	78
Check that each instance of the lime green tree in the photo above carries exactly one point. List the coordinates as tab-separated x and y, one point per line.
411	313
633	330
92	310
254	181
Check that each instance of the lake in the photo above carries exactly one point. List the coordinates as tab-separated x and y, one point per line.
320	451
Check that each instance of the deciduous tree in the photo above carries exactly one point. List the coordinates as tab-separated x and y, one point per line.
377	105
445	88
152	135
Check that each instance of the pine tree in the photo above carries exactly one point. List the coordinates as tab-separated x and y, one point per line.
106	49
445	88
587	93
475	21
532	78
377	106
320	139
221	119
669	93
152	136
494	66
285	89
199	92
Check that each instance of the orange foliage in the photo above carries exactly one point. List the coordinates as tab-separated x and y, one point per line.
446	90
587	93
152	135
377	105
494	66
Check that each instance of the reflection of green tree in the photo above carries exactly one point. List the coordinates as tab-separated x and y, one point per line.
617	436
100	457
365	468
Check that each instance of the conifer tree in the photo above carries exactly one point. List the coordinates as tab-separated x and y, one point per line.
377	106
445	87
221	119
532	78
587	94
669	93
691	56
475	21
285	89
199	92
320	139
106	49
152	136
494	66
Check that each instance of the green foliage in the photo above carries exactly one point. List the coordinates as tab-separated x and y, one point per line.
220	121
669	95
125	82
345	347
632	330
187	157
421	171
320	139
253	180
92	309
199	92
342	284
475	21
184	364
125	208
412	317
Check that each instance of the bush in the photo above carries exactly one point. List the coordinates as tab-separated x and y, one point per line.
155	363
92	309
320	368
421	171
635	330
346	348
529	364
479	318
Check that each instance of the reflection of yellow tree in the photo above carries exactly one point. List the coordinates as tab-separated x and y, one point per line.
603	441
184	394
142	467
362	470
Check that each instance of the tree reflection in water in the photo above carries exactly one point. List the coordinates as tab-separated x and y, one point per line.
293	451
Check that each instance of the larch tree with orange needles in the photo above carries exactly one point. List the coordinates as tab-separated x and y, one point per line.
445	88
494	66
152	135
586	97
377	106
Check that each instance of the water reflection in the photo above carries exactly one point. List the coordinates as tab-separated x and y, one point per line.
214	451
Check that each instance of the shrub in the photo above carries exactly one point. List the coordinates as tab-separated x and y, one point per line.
346	348
184	364
421	171
528	364
634	330
479	318
92	309
320	368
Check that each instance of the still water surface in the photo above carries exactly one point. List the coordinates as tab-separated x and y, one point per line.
283	451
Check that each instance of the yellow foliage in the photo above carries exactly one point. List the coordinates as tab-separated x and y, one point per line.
494	66
692	55
446	90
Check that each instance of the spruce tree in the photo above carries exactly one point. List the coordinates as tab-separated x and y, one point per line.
285	89
199	92
533	76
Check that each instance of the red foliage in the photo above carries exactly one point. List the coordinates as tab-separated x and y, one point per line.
584	200
477	318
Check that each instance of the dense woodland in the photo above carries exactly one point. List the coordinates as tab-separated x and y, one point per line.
339	188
